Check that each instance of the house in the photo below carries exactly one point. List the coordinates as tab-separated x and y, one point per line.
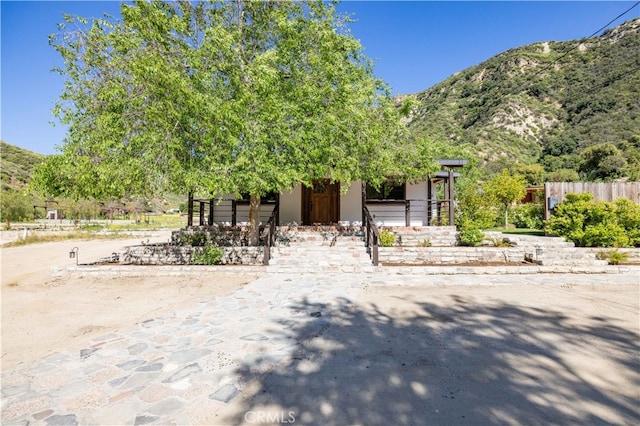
425	203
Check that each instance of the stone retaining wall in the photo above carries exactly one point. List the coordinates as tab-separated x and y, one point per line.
221	236
166	254
632	253
448	255
414	236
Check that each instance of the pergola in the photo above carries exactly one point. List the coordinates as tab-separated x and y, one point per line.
446	176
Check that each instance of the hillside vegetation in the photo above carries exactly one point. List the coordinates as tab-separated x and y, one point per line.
16	166
572	108
19	203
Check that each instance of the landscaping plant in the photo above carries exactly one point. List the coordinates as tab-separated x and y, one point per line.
590	223
207	255
387	238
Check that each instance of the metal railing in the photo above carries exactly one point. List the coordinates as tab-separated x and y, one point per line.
372	235
270	233
434	212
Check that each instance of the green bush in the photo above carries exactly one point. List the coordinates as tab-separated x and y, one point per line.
604	235
499	242
614	257
195	239
470	234
529	215
387	239
628	215
207	255
590	223
424	243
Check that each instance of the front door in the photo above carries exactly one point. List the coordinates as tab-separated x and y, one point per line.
321	203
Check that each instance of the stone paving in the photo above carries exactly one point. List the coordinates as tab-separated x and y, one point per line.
177	368
180	367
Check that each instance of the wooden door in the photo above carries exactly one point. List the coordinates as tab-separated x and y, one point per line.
321	203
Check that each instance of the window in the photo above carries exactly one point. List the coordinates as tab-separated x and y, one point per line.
389	190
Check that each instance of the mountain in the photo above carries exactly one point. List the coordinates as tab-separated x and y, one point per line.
549	103
16	165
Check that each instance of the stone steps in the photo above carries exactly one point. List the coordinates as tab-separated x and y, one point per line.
343	254
551	251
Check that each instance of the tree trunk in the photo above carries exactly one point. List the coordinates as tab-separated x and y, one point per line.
506	215
254	220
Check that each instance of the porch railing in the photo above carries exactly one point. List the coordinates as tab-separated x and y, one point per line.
270	233
434	212
372	235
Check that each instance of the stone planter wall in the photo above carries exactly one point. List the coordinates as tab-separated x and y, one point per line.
448	255
414	236
632	253
221	236
166	254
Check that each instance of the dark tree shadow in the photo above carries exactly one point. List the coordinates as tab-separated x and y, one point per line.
467	363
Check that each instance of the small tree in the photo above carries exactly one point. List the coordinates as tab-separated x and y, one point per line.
603	161
15	206
506	189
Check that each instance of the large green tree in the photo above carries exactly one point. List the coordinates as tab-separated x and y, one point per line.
219	97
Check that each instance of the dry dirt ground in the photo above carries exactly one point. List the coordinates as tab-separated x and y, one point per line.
474	350
477	349
43	315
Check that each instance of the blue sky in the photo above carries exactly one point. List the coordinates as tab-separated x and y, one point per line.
415	44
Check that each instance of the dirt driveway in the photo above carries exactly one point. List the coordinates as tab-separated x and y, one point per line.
42	315
556	349
443	350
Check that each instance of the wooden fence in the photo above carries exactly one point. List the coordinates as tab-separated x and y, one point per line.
556	192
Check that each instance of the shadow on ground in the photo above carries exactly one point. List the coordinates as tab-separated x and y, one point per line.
458	362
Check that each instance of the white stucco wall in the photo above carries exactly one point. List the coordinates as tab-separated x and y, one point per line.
291	206
351	205
417	191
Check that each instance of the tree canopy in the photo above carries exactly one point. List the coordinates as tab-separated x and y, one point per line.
506	189
225	97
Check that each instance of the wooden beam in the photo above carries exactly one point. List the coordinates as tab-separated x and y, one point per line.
234	212
201	213
450	182
190	209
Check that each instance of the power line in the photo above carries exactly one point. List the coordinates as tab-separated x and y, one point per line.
614	19
591	36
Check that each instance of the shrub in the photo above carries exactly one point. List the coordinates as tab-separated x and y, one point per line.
604	235
498	242
628	216
207	255
424	243
471	235
195	239
590	223
529	215
614	257
387	239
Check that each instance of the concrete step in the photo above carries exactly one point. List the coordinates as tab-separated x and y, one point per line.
328	256
531	240
569	256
